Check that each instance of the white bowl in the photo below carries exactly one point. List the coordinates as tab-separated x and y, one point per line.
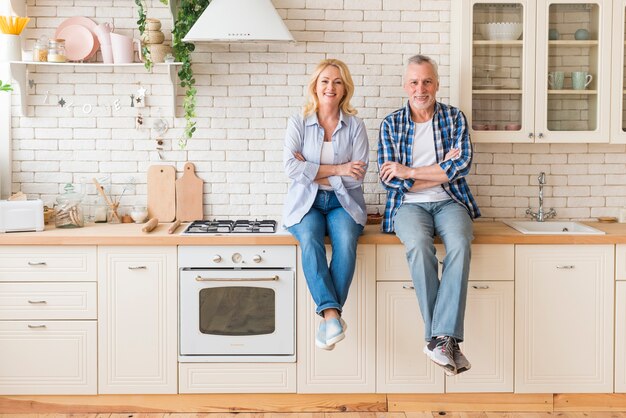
501	31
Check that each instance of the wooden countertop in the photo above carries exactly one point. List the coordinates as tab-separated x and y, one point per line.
131	234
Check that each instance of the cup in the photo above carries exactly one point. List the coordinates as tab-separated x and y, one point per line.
555	80
512	127
581	79
10	47
124	48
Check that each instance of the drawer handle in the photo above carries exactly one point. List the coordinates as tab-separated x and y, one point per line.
137	268
36	263
37	302
480	287
36	326
408	287
566	267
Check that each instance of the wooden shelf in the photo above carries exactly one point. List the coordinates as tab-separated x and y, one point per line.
19	72
498	43
497	91
573	43
572	92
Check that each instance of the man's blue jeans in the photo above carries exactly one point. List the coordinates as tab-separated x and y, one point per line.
328	285
442	303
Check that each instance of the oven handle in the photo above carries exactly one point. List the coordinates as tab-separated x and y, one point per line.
237	279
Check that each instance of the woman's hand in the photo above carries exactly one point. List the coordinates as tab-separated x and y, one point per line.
299	156
354	169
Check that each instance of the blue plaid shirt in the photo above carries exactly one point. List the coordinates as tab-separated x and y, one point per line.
395	143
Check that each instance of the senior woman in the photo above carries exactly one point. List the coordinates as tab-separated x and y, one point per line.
326	157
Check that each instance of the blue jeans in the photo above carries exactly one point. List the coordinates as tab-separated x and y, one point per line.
328	285
442	303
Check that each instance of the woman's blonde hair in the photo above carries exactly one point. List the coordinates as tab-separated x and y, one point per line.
312	103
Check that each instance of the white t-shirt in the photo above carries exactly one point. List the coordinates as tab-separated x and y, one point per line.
424	155
327	158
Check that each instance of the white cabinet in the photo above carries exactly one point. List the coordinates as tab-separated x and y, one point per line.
564	318
48	335
506	94
350	367
618	80
620	318
401	366
137	315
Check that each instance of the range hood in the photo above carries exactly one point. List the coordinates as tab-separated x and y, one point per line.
239	21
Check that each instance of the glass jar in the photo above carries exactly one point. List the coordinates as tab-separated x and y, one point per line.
100	210
56	50
40	50
69	209
139	214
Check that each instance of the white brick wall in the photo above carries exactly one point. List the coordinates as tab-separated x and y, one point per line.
245	94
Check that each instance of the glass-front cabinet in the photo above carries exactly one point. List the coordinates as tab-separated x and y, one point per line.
618	98
535	70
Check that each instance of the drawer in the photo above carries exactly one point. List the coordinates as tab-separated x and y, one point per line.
48	357
60	300
48	263
489	262
620	262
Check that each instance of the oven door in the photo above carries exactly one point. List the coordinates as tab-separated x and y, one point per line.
227	312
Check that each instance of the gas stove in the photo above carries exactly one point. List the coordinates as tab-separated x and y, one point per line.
227	226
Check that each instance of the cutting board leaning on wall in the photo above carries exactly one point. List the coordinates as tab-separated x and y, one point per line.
189	195
162	192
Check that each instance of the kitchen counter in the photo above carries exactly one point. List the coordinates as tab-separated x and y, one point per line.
131	234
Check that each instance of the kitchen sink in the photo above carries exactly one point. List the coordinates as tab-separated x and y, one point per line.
553	228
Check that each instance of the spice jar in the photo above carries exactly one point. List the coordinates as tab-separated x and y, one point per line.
56	50
69	209
100	210
40	50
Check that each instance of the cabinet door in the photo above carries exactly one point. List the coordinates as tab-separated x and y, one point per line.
47	263
350	367
620	337
401	366
48	358
137	332
488	341
581	43
496	68
564	318
618	75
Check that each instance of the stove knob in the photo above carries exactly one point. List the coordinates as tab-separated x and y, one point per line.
256	258
236	258
217	258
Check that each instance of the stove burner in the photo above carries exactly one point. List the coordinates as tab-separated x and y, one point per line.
228	226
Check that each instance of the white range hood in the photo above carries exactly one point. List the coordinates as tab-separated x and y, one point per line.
239	21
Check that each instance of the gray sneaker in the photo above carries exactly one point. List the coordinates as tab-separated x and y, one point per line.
441	351
462	363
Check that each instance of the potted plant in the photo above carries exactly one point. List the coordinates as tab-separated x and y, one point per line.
188	11
5	87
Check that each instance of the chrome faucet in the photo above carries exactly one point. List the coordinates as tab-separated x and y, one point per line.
540	215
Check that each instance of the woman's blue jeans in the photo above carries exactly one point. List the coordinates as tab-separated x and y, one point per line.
328	285
442	303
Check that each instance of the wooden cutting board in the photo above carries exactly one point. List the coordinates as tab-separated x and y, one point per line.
189	195
162	192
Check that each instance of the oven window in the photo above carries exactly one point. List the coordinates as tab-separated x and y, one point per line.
237	311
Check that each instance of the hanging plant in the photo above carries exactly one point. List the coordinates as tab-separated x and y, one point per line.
5	87
141	24
188	12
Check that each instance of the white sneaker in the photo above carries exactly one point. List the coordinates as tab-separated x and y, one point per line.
320	337
441	351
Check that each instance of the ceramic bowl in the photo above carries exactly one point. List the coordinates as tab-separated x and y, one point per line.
501	31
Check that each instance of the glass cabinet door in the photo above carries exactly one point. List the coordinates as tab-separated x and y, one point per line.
618	93
573	73
501	78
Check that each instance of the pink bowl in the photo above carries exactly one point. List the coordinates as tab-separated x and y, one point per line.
513	127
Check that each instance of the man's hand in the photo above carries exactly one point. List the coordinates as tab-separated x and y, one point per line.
391	169
354	169
452	154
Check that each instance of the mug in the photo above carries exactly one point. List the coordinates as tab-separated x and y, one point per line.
555	80
581	79
124	48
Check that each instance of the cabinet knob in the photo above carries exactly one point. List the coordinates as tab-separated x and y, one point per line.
540	135
566	267
531	135
137	268
36	263
36	326
217	258
256	258
408	286
37	302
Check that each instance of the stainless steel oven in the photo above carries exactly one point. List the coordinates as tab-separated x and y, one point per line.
237	303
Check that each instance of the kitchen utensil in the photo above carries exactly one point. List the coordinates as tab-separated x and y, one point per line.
189	195
115	218
162	192
79	42
150	225
82	21
173	227
103	32
124	48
